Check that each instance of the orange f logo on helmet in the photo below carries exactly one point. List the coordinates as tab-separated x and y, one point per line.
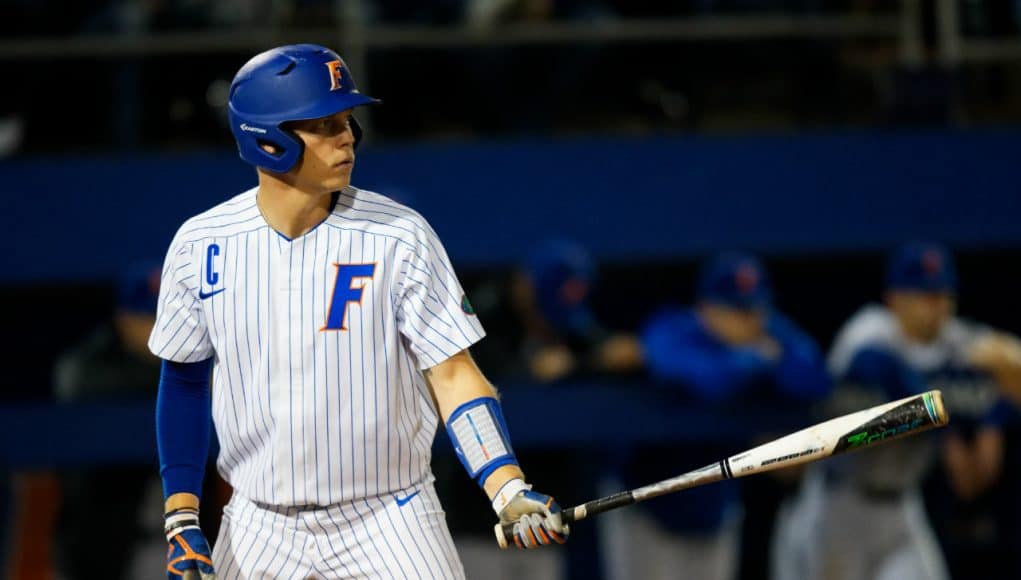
336	69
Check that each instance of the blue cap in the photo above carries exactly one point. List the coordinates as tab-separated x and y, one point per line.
138	289
923	266
735	279
562	273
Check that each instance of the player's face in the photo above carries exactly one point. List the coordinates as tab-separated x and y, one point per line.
734	326
329	153
921	314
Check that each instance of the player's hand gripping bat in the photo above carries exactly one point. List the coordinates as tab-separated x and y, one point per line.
847	433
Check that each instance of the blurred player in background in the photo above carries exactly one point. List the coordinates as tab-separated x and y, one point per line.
112	364
544	331
732	347
550	330
861	517
335	332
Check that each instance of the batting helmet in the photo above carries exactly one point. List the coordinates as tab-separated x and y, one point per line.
562	274
922	266
735	279
289	83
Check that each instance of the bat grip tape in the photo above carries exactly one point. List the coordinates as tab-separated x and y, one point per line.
505	532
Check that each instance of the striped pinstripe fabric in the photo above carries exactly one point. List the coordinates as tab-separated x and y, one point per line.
368	538
307	414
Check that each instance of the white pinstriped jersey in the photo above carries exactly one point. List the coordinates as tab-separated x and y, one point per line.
942	364
318	342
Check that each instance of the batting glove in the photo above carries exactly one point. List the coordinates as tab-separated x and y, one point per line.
536	517
188	554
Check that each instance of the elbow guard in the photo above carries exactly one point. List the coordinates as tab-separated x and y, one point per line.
479	434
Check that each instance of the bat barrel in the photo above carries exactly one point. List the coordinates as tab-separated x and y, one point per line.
850	432
899	419
935	400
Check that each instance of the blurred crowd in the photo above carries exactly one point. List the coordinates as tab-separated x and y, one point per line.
133	16
928	507
931	507
174	96
982	17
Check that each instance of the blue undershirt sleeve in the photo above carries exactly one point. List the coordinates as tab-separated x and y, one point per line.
711	374
1002	415
875	367
801	371
183	425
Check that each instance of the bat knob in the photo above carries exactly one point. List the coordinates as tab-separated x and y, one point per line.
504	534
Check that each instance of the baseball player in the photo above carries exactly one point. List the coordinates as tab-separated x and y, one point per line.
861	517
732	346
334	332
111	364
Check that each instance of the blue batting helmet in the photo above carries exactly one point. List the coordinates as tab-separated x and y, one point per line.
562	274
735	279
289	83
921	266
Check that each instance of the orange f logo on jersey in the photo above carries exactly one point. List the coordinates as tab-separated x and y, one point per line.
336	69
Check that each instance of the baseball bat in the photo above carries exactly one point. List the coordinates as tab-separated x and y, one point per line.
850	432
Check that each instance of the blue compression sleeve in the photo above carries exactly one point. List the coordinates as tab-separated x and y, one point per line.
183	418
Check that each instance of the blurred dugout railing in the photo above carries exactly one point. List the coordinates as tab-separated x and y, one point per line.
897	27
956	48
360	37
355	35
40	435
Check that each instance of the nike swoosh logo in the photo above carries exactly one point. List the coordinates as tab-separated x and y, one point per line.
403	500
204	295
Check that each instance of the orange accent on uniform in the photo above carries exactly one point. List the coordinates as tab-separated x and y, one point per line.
545	538
535	541
329	311
189	554
335	74
36	503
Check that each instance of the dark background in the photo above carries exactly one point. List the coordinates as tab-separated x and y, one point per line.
819	135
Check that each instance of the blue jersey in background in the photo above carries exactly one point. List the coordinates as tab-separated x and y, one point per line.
685	358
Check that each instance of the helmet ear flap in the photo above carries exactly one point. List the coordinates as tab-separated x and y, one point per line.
286	147
270	147
356	130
